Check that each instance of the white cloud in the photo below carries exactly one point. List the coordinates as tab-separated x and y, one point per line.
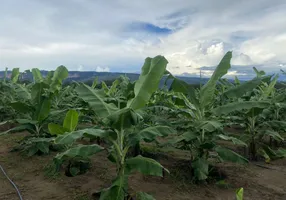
46	34
102	69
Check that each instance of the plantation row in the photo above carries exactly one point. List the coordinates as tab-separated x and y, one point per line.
120	118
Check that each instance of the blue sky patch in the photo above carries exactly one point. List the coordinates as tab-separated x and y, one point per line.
148	27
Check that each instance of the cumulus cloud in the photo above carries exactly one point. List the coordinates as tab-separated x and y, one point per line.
122	33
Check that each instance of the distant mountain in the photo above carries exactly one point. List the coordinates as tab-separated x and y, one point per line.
85	76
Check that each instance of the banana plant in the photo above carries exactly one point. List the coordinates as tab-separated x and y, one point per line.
78	164
10	90
120	131
35	108
202	129
119	92
253	112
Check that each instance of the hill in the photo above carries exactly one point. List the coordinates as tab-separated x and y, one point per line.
86	76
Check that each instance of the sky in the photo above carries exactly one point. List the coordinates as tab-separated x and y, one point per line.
117	35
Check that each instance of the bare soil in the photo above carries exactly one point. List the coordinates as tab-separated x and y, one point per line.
259	180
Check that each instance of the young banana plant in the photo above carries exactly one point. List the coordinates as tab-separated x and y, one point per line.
11	90
202	128
253	111
120	131
80	163
35	108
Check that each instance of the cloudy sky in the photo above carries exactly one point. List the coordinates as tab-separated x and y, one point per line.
117	35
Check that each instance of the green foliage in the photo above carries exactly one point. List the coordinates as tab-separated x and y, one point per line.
15	75
69	125
239	90
201	130
125	115
121	127
33	103
95	100
144	165
148	82
238	106
38	78
239	194
207	91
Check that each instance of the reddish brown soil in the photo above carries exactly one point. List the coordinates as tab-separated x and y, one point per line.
29	175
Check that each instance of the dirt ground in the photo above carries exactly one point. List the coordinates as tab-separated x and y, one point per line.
29	175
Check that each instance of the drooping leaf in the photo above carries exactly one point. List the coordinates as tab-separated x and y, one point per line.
69	138
281	153
229	155
146	166
238	106
21	107
207	91
24	127
241	89
71	120
95	100
148	82
267	153
26	121
187	137
277	124
275	135
233	139
182	87
210	126
263	153
150	134
82	151
124	118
